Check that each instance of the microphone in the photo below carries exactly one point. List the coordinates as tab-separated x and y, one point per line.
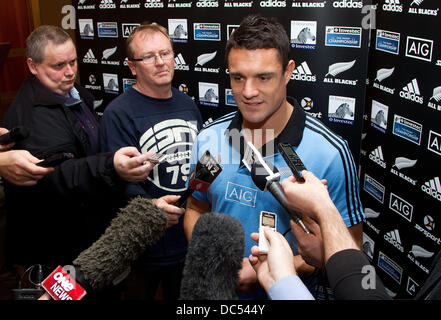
15	134
265	182
214	259
201	177
135	227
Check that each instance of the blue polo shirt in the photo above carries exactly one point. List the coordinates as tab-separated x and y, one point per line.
234	193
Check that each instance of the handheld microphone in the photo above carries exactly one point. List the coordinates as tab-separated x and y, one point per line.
266	177
273	185
214	259
15	134
201	177
135	227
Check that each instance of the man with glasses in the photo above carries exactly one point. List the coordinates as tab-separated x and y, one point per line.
154	116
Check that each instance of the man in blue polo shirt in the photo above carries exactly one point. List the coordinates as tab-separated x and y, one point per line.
259	66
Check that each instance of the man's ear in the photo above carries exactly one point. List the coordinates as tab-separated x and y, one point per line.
32	66
288	70
131	67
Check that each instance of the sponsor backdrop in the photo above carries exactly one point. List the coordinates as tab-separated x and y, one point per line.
329	46
400	186
401	147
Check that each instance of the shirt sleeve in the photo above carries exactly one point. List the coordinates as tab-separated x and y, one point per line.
289	288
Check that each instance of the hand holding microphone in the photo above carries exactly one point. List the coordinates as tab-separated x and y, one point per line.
8	138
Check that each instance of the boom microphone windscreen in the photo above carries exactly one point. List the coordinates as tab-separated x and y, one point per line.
138	225
214	259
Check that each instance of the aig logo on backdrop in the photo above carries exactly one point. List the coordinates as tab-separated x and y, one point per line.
419	48
401	206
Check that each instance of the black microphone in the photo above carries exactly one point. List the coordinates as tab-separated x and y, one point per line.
214	259
136	226
201	177
15	134
259	176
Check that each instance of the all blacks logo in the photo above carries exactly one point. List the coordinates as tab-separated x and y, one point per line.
207	4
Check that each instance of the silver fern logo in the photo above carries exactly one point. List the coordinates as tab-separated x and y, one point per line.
109	52
339	67
204	58
384	73
402	162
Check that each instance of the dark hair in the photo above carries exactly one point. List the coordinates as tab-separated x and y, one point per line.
37	41
257	32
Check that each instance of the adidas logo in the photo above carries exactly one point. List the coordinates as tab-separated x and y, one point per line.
392	5
153	4
90	57
107	4
347	4
393	237
377	157
433	188
303	73
412	92
180	63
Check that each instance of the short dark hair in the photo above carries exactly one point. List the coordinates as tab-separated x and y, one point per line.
37	41
257	32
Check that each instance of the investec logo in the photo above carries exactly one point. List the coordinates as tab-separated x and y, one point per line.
393	237
90	57
348	4
180	63
433	188
392	5
107	4
412	92
303	73
273	4
377	157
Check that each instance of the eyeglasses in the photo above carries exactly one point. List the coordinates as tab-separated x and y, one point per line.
151	58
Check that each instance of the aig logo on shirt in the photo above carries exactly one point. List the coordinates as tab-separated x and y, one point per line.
241	194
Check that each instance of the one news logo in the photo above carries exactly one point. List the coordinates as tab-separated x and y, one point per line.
90	57
393	237
377	157
180	63
337	68
382	74
107	4
436	97
419	48
433	188
303	73
412	92
392	6
434	143
401	206
415	9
